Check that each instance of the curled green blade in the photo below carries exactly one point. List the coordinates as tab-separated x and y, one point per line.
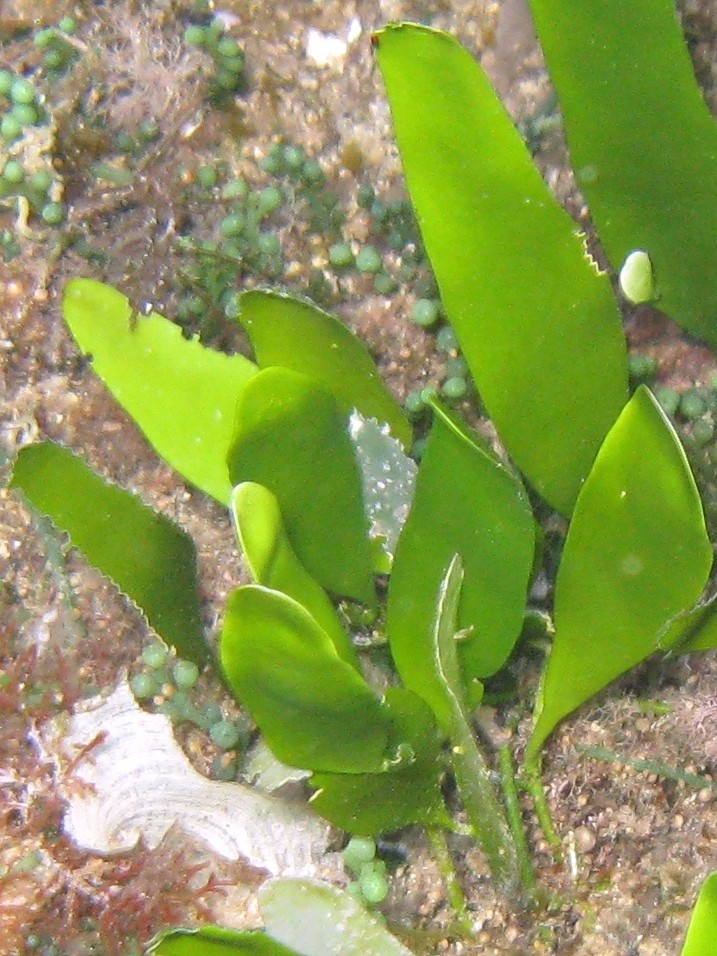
313	708
147	556
636	556
181	395
273	562
216	941
536	322
642	142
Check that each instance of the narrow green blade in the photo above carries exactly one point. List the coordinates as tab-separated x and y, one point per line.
642	142
314	709
291	437
537	324
702	932
145	554
296	334
181	395
636	556
467	503
273	562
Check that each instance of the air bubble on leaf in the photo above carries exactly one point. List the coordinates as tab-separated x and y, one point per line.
388	477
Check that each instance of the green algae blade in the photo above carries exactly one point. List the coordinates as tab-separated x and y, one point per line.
291	438
642	142
180	394
536	322
313	708
296	334
147	556
468	503
636	556
403	791
273	563
216	941
702	931
322	920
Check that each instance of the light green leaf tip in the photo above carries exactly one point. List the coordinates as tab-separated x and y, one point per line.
147	556
636	556
702	932
180	394
216	941
273	562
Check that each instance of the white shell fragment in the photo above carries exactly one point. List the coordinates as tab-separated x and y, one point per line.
388	477
324	49
636	279
134	782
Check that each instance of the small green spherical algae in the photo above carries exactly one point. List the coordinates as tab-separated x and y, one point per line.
456	366
368	260
25	114
273	162
6	79
143	686
232	225
226	80
207	177
56	59
67	25
13	172
358	852
454	388
225	734
340	255
312	173
668	398
224	769
53	213
374	886
636	278
268	200
10	128
195	36
294	157
185	674
642	366
234	65
235	189
44	38
692	405
365	196
228	47
21	91
155	656
268	244
148	131
384	284
429	393
425	312
703	432
446	339
414	404
211	713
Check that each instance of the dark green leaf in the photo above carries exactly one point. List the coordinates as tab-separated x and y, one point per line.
215	941
636	556
535	320
144	553
642	142
295	334
180	394
313	708
273	563
407	791
467	503
291	438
